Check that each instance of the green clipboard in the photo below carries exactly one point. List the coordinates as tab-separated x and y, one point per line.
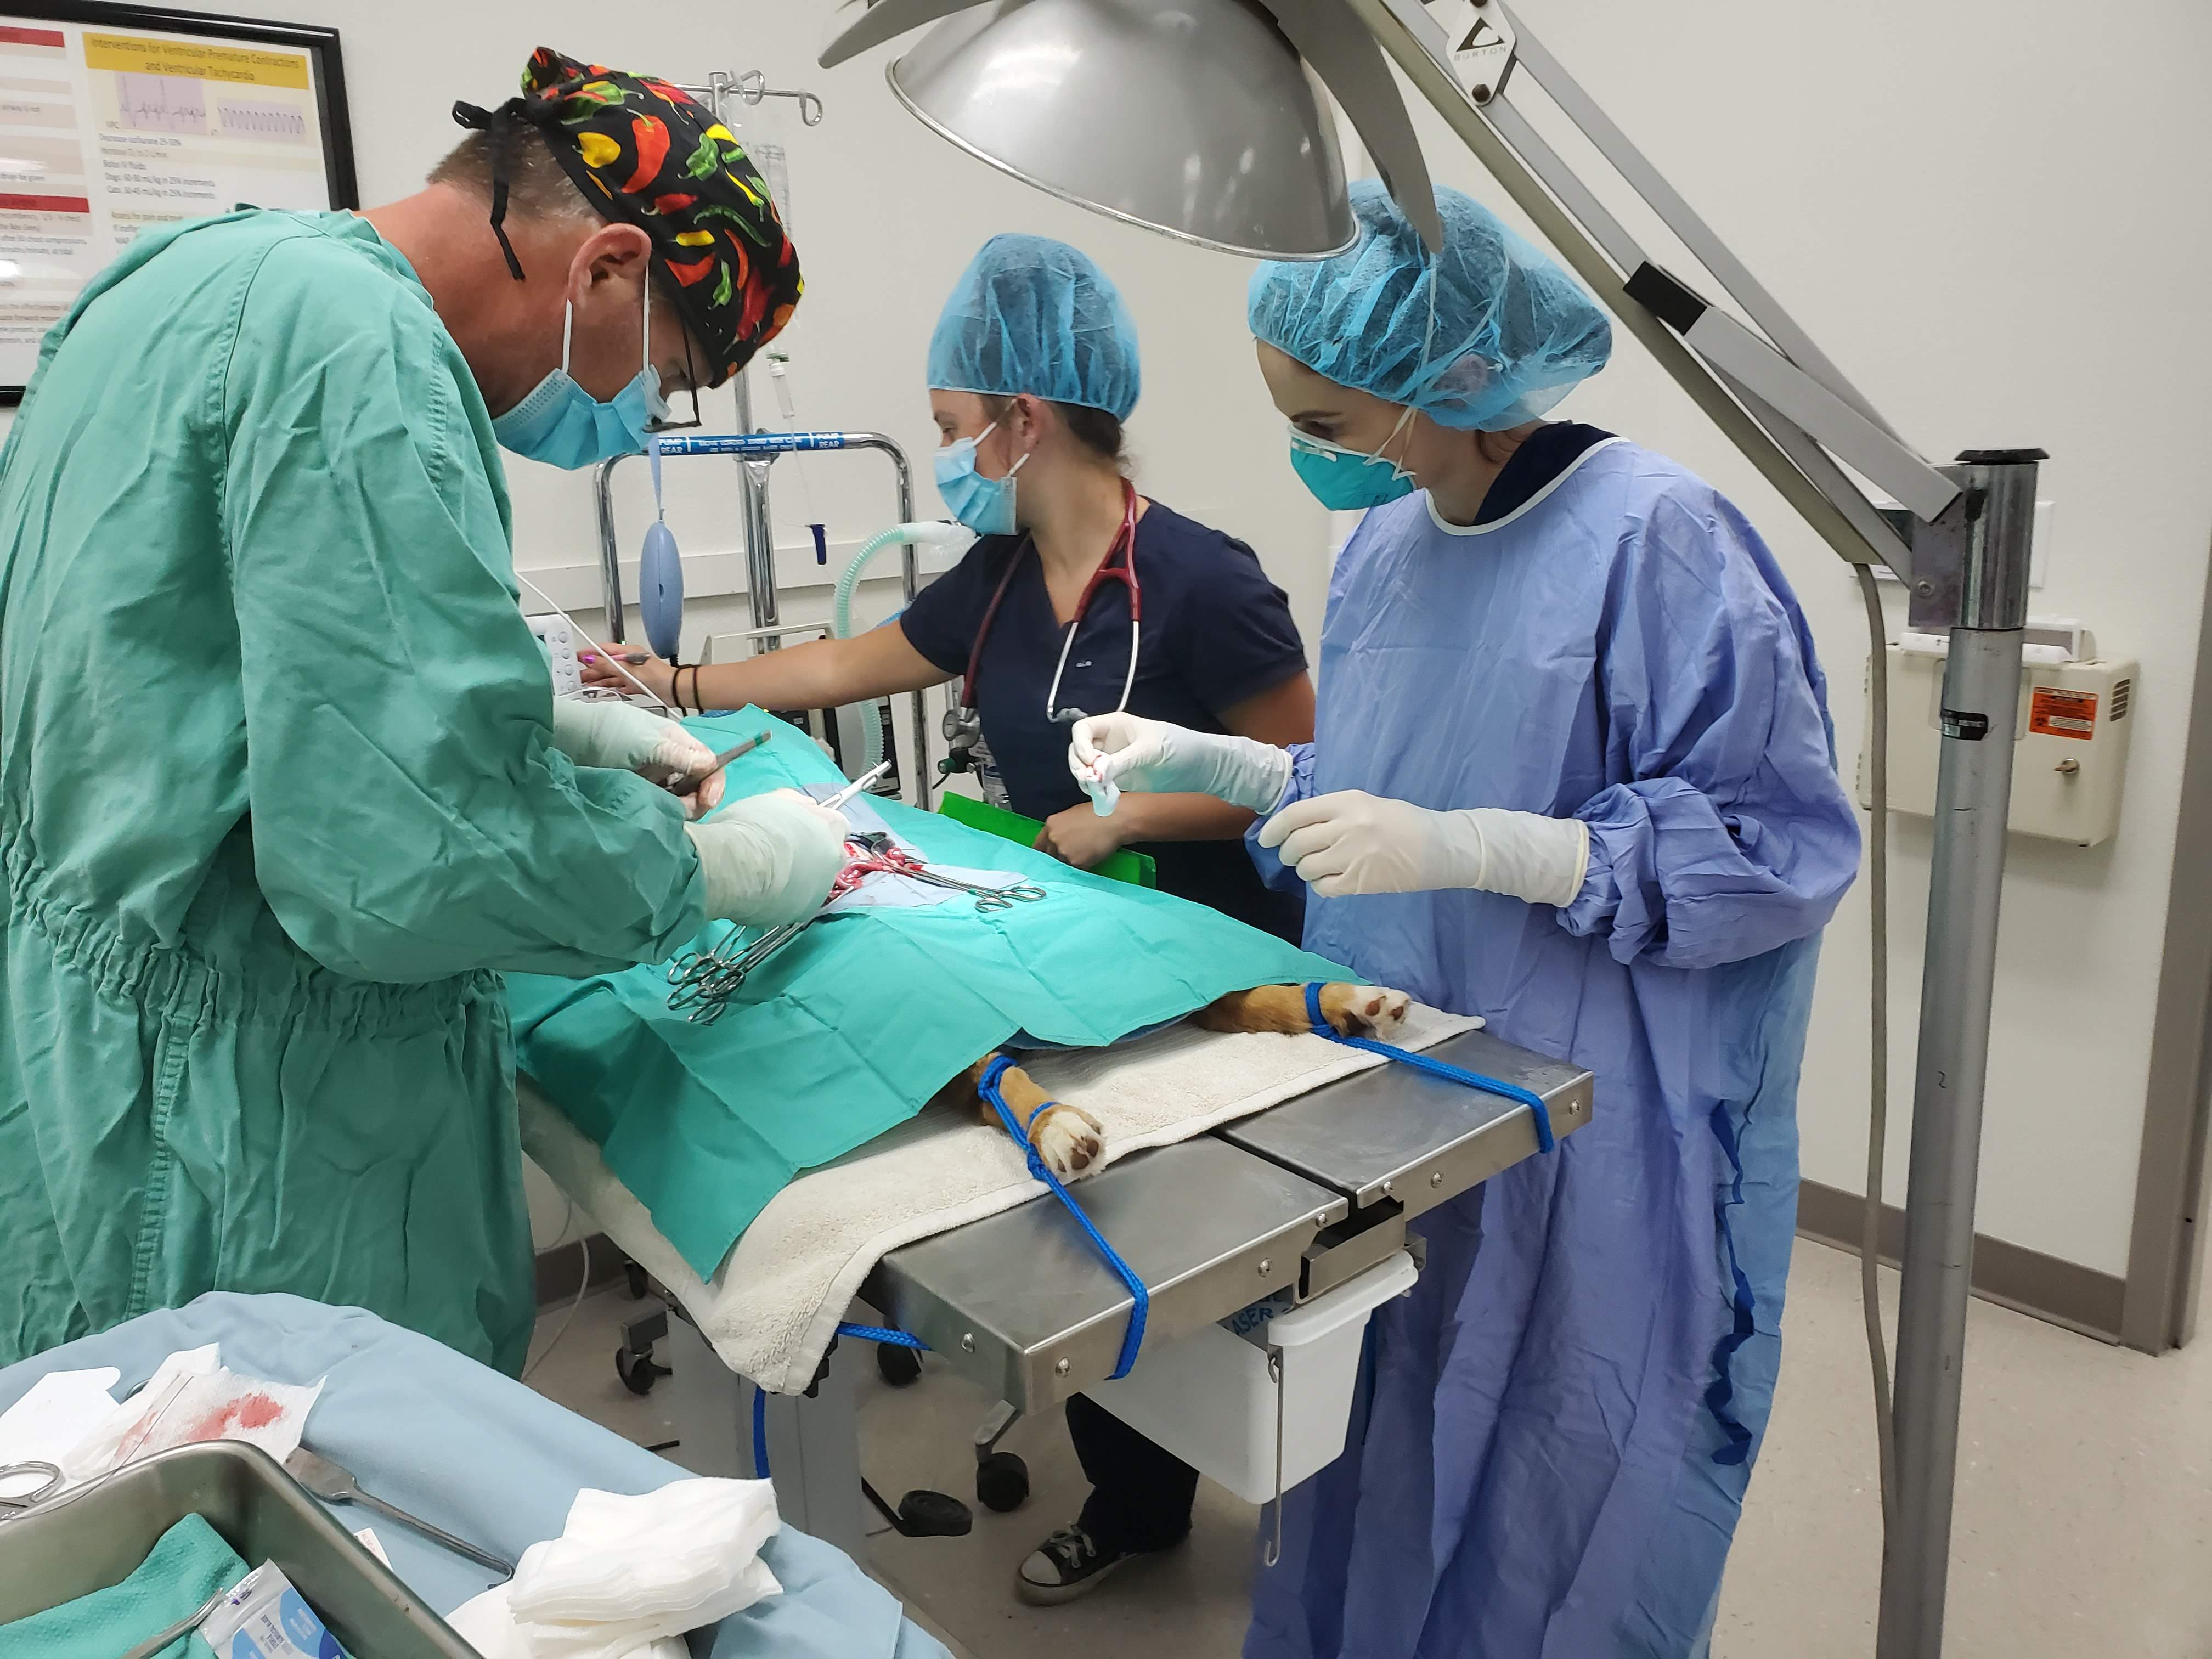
1135	868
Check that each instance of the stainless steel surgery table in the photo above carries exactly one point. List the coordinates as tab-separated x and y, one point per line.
1301	1197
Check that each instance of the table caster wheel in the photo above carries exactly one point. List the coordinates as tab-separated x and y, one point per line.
1002	1482
897	1365
639	1371
635	1275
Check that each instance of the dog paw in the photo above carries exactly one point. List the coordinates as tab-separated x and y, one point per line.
1367	1011
1069	1139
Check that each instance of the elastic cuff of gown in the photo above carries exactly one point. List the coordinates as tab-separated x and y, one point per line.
1582	867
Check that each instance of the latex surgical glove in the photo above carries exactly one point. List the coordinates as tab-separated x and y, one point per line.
1355	842
770	859
625	737
1078	836
1133	752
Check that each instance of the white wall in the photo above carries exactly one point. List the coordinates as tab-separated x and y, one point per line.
1992	214
2002	241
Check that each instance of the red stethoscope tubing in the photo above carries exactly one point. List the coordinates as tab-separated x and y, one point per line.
1124	547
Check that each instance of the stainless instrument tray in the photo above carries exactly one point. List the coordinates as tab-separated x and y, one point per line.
99	1535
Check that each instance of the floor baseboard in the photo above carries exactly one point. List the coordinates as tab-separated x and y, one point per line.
2013	1276
560	1269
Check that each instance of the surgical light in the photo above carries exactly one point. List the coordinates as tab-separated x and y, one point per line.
1200	119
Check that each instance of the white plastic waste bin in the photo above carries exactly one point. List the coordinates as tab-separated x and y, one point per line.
1207	1397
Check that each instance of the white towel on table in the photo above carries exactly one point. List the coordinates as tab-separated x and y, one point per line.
772	1308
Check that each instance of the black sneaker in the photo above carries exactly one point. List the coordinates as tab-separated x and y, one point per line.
1067	1564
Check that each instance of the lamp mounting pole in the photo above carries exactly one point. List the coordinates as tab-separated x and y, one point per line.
1970	576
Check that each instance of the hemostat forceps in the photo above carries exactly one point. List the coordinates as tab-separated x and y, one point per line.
987	898
704	982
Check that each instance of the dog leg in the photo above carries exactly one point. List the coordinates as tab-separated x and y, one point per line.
1068	1138
1364	1011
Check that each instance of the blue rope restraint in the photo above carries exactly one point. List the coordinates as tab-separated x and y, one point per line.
883	1334
1141	1298
1489	1085
866	1333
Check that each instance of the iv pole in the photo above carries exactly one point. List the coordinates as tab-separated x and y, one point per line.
1793	415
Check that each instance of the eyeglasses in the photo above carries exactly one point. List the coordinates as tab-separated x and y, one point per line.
690	385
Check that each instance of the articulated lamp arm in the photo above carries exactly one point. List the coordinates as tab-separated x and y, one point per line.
1778	397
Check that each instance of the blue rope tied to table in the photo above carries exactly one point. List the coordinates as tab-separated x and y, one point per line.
883	1334
1131	1340
759	1433
1461	1075
1142	1299
866	1333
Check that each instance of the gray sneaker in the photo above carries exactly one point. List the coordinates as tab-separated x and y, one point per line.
1067	1564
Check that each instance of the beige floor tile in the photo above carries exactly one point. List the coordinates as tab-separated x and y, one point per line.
2084	1519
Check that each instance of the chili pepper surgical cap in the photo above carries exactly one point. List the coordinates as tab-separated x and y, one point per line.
1036	316
1513	332
643	151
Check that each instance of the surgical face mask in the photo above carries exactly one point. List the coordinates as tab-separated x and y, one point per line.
984	505
564	425
1345	480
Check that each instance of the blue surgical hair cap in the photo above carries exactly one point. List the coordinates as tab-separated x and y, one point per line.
1513	333
1036	316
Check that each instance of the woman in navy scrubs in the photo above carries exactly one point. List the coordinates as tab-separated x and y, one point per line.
1081	596
1032	369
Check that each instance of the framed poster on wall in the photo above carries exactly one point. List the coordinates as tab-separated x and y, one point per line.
115	119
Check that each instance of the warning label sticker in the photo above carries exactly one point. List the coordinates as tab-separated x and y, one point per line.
2055	714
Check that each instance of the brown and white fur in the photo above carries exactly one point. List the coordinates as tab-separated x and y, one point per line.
1070	1141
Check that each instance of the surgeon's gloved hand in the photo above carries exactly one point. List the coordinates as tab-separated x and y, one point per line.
627	738
1355	842
770	859
1132	752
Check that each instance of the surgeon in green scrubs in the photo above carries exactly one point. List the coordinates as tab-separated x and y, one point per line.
282	783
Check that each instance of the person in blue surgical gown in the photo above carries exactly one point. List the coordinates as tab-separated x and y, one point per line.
1572	772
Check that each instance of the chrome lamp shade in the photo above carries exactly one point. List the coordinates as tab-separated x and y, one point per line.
1197	118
